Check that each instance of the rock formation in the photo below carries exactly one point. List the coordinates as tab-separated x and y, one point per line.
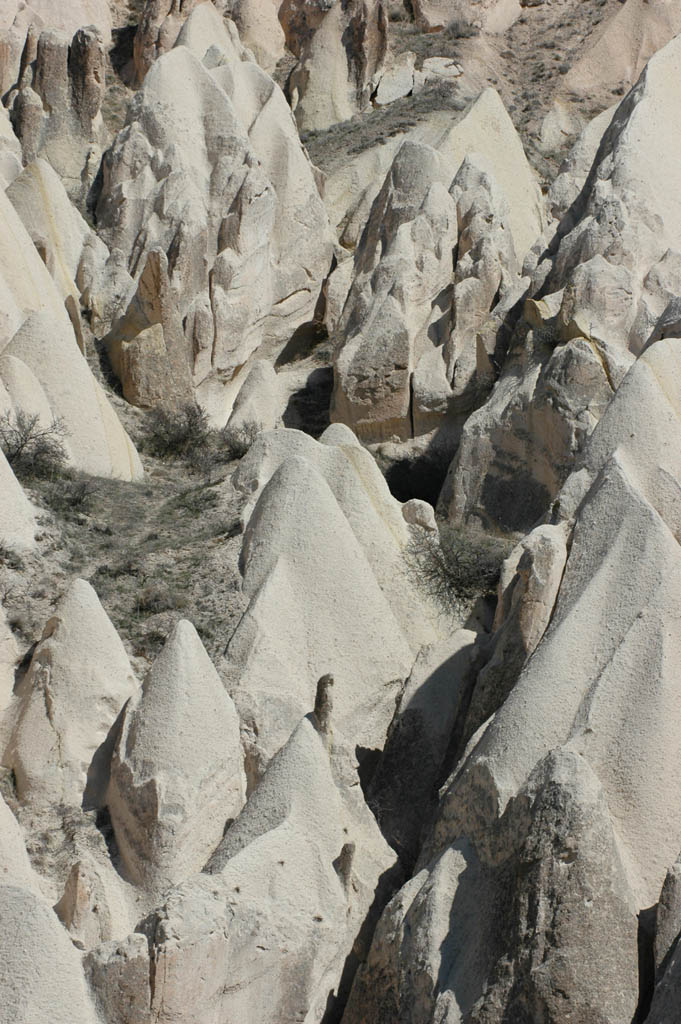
341	47
246	253
56	110
168	812
342	561
360	705
77	683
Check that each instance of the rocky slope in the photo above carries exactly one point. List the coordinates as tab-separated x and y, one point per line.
340	512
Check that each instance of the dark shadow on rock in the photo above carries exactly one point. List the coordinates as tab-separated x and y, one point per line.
403	794
23	667
388	884
308	408
302	343
99	771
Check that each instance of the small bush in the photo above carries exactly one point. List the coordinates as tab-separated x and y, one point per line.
457	566
398	14
197	500
234	442
33	450
70	497
11	558
154	599
176	434
461	29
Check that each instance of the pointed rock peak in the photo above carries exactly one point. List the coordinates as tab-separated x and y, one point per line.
205	29
78	680
177	772
79	613
182	666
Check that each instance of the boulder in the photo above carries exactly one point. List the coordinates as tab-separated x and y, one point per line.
341	47
492	15
56	110
42	977
397	80
75	687
176	773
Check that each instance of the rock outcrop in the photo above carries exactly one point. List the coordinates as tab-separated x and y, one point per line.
483	127
176	773
244	228
56	110
617	251
341	561
306	838
593	744
19	19
418	343
36	330
341	46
